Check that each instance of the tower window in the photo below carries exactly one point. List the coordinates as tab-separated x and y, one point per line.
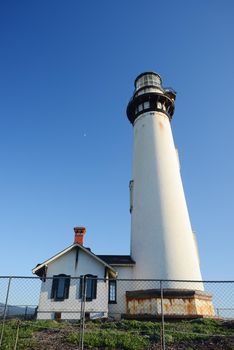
140	107
159	105
112	292
146	105
60	287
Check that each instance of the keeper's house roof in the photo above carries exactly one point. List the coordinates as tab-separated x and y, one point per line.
117	260
40	268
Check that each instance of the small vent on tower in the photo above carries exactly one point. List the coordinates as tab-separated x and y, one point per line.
131	183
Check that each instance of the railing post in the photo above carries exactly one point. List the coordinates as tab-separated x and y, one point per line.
163	346
5	310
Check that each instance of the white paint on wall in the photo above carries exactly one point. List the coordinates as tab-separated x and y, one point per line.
70	308
123	283
162	242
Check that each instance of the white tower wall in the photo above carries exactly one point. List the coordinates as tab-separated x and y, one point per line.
162	242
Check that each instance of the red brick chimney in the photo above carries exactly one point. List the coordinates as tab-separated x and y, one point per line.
79	235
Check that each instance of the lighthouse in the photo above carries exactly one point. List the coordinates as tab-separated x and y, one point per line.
163	244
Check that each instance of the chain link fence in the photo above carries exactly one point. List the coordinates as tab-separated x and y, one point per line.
122	314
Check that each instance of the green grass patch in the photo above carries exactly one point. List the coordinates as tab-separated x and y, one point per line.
26	336
111	340
124	334
197	329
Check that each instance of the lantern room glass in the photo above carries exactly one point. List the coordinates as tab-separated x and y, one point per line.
149	79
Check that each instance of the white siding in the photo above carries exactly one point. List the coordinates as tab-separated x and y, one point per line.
66	265
124	272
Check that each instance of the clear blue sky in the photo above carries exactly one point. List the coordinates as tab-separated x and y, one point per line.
66	75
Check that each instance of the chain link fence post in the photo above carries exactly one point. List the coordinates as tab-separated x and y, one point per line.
83	281
163	346
5	310
17	335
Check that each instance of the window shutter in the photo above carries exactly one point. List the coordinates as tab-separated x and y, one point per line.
54	286
66	288
91	287
60	287
81	287
94	287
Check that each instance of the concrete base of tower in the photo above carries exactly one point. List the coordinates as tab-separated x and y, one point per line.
177	303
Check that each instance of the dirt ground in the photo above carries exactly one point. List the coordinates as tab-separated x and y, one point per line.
55	340
48	339
214	343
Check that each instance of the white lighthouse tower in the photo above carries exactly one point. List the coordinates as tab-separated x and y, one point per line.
163	244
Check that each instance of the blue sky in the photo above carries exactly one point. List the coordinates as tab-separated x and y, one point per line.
66	74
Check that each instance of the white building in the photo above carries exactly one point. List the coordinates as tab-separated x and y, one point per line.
65	274
163	245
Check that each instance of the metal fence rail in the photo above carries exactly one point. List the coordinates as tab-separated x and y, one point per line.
172	308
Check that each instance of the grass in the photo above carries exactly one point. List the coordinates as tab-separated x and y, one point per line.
26	332
134	334
111	339
124	334
197	329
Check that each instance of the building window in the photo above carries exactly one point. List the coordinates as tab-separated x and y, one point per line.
112	292
60	287
57	316
88	287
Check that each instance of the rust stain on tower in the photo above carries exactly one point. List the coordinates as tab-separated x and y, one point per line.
181	303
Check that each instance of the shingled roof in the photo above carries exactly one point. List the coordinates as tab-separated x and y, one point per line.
40	267
117	260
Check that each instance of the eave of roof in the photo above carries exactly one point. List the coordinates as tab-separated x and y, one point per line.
118	260
86	250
